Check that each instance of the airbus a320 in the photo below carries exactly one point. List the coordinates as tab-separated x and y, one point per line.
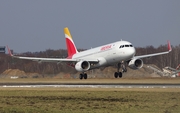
119	53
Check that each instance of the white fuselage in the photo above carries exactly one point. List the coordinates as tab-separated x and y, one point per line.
108	54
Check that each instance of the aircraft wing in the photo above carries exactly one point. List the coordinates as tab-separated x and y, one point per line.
50	59
155	54
46	59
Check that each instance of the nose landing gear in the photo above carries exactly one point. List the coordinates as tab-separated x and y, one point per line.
118	73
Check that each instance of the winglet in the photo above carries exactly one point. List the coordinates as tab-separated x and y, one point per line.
9	51
169	46
69	43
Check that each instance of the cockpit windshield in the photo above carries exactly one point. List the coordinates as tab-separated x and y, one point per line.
122	46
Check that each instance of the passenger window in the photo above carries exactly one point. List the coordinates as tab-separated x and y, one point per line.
126	45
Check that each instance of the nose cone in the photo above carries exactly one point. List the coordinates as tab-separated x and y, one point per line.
131	52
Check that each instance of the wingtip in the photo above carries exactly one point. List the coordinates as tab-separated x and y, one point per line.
169	46
9	51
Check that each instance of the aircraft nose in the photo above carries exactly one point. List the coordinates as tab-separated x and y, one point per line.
132	51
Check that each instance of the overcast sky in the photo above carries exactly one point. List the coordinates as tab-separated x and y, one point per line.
37	25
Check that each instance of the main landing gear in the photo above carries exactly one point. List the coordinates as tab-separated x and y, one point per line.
83	75
118	73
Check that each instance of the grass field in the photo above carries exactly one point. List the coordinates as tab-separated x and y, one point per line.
89	100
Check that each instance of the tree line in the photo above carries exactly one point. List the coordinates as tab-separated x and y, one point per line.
6	62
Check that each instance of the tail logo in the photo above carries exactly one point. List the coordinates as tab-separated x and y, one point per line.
69	43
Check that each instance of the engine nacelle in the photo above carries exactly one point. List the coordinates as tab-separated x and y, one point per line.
135	64
82	66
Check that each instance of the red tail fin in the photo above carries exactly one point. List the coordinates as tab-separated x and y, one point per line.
69	43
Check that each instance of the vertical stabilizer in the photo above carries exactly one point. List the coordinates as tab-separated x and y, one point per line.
69	43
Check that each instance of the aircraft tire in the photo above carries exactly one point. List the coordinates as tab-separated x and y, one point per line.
120	74
85	76
81	76
116	74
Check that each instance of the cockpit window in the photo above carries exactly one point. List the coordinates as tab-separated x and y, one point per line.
122	46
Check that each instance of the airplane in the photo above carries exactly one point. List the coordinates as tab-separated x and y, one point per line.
119	53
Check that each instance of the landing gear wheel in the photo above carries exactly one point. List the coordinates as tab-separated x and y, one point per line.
116	74
120	74
85	76
81	76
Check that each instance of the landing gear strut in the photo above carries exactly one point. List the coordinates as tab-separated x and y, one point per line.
118	73
83	75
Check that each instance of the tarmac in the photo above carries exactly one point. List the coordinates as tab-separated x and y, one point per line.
83	85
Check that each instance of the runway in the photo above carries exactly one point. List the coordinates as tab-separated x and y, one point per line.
91	86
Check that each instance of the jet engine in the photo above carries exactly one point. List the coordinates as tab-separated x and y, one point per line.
135	64
82	66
